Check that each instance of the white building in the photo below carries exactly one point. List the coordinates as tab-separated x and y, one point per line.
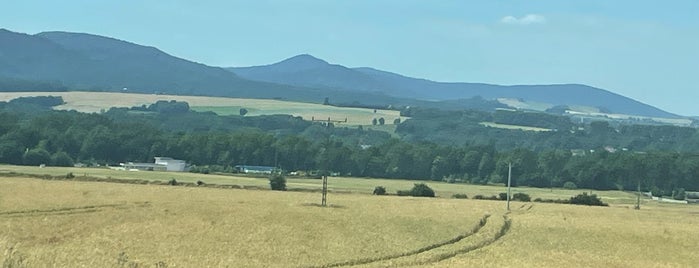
161	164
171	164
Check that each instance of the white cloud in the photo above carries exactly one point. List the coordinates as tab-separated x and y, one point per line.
527	19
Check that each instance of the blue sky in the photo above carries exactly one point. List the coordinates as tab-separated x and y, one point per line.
646	50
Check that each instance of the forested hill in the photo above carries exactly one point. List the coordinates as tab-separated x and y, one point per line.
53	61
32	134
81	61
306	70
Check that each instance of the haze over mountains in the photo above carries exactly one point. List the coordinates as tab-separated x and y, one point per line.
308	71
91	62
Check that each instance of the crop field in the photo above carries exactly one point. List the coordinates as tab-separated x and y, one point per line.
97	224
335	184
93	102
505	126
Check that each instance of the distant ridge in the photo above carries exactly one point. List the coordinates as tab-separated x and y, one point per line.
306	70
79	61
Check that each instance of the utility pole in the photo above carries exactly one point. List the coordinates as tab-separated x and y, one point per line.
638	197
509	183
324	175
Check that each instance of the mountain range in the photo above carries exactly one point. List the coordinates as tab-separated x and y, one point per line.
308	71
91	62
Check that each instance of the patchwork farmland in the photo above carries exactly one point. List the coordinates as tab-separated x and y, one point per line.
93	102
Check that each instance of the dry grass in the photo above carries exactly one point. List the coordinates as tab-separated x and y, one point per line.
70	223
551	235
92	102
197	227
336	184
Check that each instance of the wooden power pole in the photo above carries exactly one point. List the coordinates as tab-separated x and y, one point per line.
324	175
509	183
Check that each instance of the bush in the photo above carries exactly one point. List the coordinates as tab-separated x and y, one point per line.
70	175
35	157
570	185
482	197
459	196
521	197
379	190
557	201
61	159
422	190
403	193
200	183
277	182
502	196
655	191
678	194
585	199
172	182
419	190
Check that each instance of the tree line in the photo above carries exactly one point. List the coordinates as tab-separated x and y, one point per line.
221	142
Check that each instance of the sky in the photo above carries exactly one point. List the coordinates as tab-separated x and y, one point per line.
645	50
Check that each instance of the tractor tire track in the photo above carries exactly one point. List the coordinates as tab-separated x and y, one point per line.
68	210
482	222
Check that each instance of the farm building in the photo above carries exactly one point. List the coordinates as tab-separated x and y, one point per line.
161	164
254	169
171	164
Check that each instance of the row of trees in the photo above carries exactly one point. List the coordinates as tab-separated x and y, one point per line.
62	138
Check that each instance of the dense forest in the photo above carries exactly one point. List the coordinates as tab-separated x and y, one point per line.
597	155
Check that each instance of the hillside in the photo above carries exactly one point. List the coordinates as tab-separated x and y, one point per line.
90	62
306	70
58	61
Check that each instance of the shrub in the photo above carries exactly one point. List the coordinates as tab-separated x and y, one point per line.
521	197
422	190
379	190
277	182
655	191
172	182
482	197
570	185
35	157
678	194
403	193
70	175
459	196
585	199
200	183
557	201
61	159
502	196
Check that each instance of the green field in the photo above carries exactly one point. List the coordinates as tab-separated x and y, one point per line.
336	184
92	102
505	126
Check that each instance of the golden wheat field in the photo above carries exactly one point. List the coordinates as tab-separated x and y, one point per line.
58	223
92	102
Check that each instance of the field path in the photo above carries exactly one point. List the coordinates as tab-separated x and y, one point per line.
487	231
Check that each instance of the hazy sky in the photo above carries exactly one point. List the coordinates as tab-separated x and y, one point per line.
646	50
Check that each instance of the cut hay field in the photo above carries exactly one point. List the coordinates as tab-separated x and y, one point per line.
93	102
